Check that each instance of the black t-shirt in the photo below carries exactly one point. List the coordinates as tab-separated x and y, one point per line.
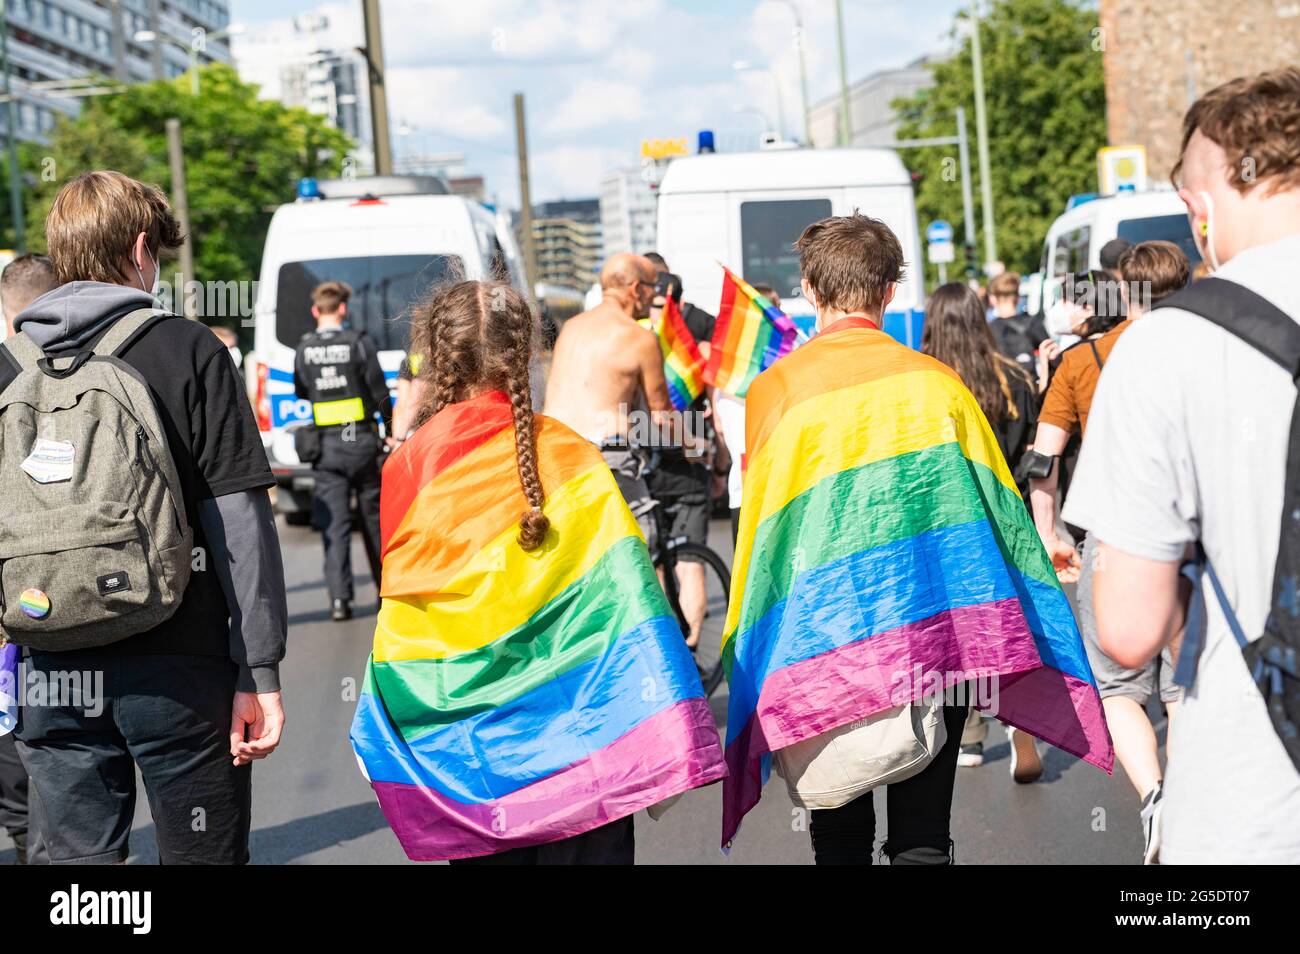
1015	435
215	444
1018	338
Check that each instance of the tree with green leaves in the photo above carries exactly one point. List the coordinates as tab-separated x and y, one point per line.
243	158
1046	105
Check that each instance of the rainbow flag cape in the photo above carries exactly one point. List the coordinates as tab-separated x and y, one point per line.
884	551
750	334
683	363
514	698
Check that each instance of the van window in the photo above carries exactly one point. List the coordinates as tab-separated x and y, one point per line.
383	289
1171	228
1072	252
768	230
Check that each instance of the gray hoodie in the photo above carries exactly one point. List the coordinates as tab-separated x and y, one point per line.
70	317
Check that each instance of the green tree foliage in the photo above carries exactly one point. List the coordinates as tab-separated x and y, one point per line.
1046	106
243	157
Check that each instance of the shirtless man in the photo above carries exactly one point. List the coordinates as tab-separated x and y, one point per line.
605	365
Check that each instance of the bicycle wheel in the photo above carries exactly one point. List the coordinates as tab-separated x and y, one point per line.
717	590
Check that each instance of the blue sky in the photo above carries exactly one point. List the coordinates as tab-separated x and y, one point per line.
599	75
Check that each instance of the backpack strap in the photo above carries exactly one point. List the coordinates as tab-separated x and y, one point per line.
1251	317
22	352
127	329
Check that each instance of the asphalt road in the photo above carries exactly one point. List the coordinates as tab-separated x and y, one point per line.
312	806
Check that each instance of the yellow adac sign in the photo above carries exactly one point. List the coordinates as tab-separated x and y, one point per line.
663	148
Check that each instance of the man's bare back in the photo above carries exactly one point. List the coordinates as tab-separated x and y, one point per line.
604	363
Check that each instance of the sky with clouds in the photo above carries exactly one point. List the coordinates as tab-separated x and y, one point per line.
599	75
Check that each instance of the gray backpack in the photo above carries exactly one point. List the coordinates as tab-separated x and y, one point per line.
94	542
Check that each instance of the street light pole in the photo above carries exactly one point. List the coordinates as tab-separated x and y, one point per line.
181	206
846	128
982	137
967	199
803	70
378	91
11	134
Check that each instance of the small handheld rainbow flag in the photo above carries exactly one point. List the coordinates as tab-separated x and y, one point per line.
884	553
750	334
683	363
515	697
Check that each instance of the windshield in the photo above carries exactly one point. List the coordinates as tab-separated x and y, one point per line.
768	231
1171	228
383	289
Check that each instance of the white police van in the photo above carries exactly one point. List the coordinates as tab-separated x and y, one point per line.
390	238
746	209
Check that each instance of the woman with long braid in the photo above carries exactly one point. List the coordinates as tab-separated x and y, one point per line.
529	689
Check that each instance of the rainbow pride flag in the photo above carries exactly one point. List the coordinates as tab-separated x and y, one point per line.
750	334
683	363
514	698
884	551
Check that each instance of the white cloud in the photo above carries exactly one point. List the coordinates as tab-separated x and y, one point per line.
594	103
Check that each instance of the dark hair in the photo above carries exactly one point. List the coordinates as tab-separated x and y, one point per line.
479	335
657	261
958	334
329	295
850	261
1100	291
1112	253
1160	268
1255	120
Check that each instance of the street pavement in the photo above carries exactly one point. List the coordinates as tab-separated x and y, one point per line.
312	806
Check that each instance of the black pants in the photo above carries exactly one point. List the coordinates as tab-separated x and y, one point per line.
920	810
168	715
13	796
349	461
612	844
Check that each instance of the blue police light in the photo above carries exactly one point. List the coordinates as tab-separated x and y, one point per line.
704	142
1081	199
1126	188
308	189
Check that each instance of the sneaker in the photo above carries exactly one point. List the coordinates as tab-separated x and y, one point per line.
341	610
969	756
1152	807
1026	765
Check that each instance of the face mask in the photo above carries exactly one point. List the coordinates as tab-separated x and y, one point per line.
157	274
1057	319
1204	236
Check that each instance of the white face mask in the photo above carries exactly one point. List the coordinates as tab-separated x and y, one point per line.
1057	319
157	273
1205	239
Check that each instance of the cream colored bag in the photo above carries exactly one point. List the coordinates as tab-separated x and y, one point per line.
832	769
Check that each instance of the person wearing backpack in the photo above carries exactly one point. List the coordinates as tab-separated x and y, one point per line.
139	561
1189	478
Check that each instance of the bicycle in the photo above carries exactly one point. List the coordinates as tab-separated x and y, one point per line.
669	551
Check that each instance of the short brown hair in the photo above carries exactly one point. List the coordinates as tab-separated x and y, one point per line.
1256	121
1159	268
850	261
93	224
25	279
1005	285
328	296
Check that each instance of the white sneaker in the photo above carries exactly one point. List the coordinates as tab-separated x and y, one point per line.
1152	807
1026	765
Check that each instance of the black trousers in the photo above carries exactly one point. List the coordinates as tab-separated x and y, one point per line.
13	795
612	844
349	462
167	714
919	808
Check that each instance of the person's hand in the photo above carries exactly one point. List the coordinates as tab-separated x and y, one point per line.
1048	350
392	443
256	721
1065	559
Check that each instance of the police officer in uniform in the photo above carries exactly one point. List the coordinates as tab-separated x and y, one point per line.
337	369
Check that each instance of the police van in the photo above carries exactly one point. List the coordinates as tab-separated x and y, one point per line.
390	238
746	209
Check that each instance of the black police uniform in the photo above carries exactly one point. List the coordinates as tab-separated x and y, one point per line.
337	369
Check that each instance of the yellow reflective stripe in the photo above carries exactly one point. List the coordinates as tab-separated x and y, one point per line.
329	413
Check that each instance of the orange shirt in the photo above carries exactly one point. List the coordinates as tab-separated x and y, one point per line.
1069	396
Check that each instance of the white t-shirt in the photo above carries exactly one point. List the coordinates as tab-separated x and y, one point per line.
731	415
1187	440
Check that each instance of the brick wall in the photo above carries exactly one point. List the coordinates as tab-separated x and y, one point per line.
1155	50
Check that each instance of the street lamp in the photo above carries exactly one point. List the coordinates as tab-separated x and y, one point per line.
193	47
803	70
743	66
982	134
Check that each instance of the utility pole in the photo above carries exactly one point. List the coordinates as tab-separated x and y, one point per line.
982	137
181	206
846	127
119	40
378	93
967	198
803	70
525	198
11	134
